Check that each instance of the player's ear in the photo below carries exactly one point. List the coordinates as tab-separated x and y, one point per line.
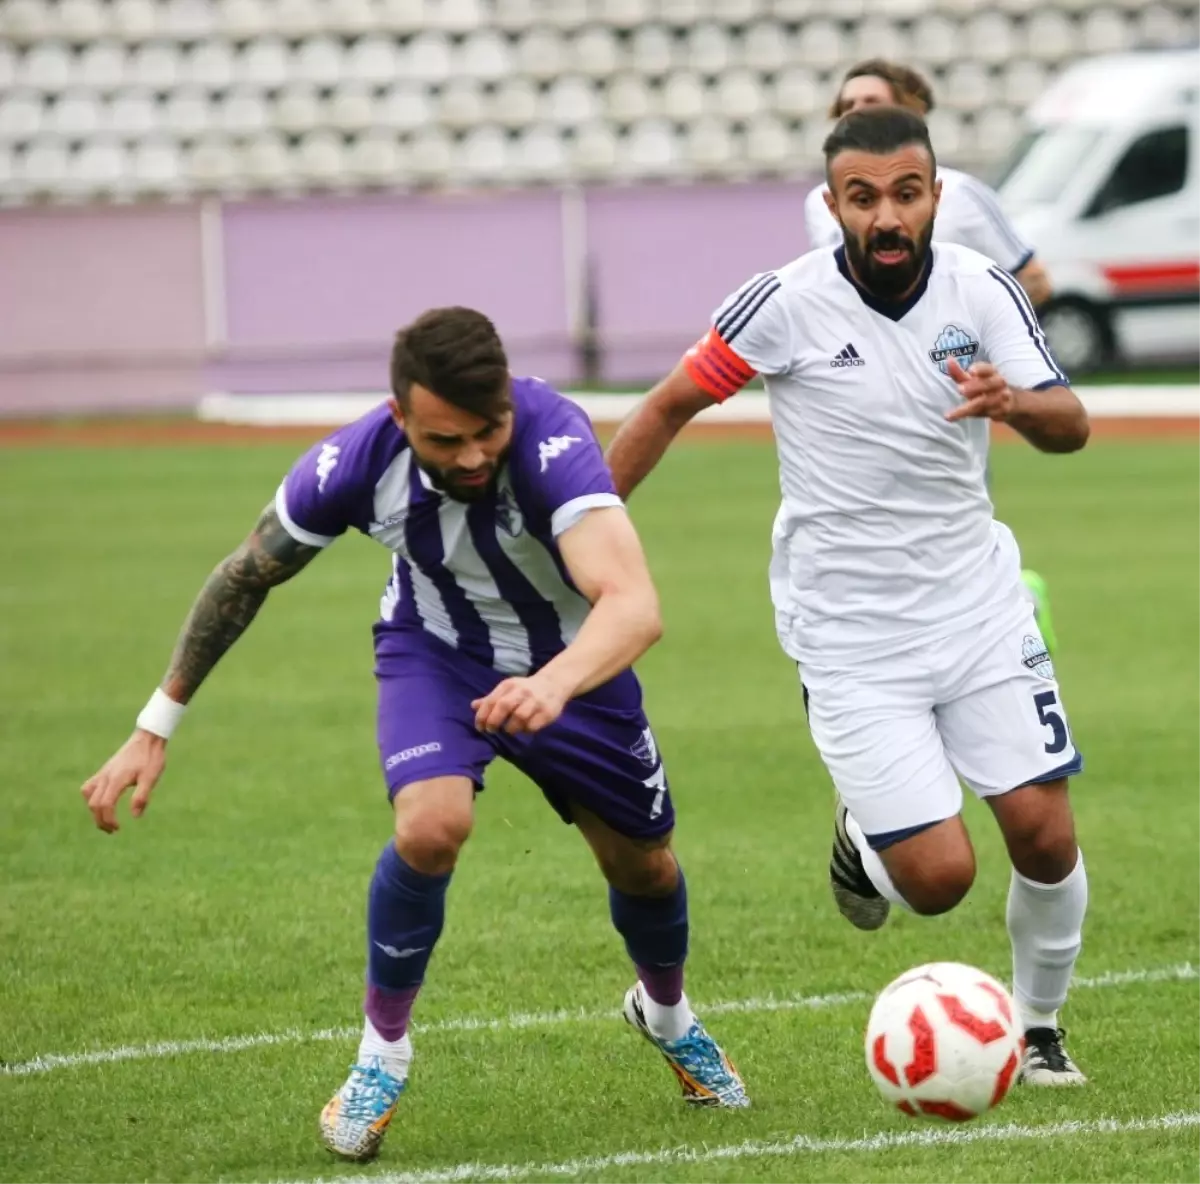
831	204
937	193
397	411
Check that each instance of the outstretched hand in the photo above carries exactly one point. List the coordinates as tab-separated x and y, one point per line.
987	395
138	762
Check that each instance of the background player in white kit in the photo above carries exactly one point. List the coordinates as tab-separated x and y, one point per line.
969	213
895	589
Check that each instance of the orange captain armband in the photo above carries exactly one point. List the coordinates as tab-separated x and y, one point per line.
715	368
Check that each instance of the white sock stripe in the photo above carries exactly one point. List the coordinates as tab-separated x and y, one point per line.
1183	971
920	1138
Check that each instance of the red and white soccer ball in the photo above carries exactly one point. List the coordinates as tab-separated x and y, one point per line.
944	1041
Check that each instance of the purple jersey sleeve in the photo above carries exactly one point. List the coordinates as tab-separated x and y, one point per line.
332	486
561	461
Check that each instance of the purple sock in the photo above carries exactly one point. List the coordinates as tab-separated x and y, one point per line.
655	929
405	913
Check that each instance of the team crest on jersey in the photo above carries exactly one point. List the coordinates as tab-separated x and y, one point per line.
508	517
646	750
1035	657
955	343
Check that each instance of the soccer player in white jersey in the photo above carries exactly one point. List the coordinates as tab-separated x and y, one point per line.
518	600
969	214
895	590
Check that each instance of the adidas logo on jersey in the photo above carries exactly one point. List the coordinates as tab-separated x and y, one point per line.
847	356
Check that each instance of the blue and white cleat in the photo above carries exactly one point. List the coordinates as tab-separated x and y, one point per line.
356	1118
706	1075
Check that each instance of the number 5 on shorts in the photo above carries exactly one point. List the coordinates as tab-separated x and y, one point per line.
1044	701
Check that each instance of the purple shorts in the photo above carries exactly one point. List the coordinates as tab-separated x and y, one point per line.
599	753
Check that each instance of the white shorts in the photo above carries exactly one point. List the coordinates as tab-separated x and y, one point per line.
897	734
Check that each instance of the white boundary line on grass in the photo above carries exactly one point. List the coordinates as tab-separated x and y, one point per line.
1183	971
797	1145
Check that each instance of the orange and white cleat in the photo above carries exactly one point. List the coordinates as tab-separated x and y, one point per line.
356	1118
706	1075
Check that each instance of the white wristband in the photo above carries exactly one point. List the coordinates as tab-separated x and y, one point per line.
161	715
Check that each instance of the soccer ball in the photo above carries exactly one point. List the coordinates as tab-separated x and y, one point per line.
944	1041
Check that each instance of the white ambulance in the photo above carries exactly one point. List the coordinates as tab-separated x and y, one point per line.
1105	185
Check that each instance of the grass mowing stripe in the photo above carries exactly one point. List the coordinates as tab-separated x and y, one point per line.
797	1145
172	1048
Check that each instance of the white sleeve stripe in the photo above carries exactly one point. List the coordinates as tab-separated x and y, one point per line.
569	513
297	532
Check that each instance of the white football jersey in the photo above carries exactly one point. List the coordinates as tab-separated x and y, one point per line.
969	214
885	536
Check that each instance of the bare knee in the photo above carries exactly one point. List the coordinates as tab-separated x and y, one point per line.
1039	831
431	827
938	890
934	869
641	871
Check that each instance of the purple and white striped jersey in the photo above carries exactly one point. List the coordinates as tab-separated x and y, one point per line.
485	577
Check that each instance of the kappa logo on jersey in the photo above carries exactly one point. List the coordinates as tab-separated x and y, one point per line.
508	516
1035	657
326	463
847	356
553	448
955	343
645	749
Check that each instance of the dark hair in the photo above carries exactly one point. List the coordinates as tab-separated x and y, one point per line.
878	130
457	354
909	89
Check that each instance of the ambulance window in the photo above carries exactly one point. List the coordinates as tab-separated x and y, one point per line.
1154	165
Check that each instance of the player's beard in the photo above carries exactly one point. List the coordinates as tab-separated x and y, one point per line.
450	481
889	281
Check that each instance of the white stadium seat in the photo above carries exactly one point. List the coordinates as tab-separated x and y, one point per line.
430	59
766	47
709	49
708	146
404	107
627	98
736	12
570	101
431	154
80	21
318	62
156	166
515	103
878	37
242	113
996	130
188	20
351	108
796	93
296	110
46	67
652	50
373	61
267	162
684	96
967	86
350	18
769	144
297	19
43	167
946	132
461	104
486	55
991	37
211	164
936	39
821	43
155	65
1049	36
376	158
209	65
457	16
135	20
650	149
76	116
101	166
540	155
8	67
1161	26
1024	80
683	14
595	51
241	20
515	15
738	95
321	158
401	16
131	114
624	14
25	22
594	151
188	114
540	54
1106	31
483	156
263	64
567	14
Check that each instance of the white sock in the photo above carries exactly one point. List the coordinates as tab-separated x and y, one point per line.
394	1054
667	1021
1044	924
873	865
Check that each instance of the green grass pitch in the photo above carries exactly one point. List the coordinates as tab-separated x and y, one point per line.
235	907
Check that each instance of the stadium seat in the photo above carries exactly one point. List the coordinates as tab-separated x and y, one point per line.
155	65
683	96
188	114
650	149
318	62
351	108
540	54
1106	31
821	44
515	103
186	21
297	110
373	61
75	116
946	132
404	107
567	14
266	162
81	21
376	158
483	156
594	150
627	98
990	37
241	20
769	144
877	37
9	189
624	14
996	130
936	39
708	147
211	164
25	22
430	154
708	50
9	66
461	104
652	50
738	95
156	167
485	55
457	16
539	154
594	51
967	86
209	65
46	67
242	113
570	101
794	10
515	16
766	47
796	94
43	167
401	16
134	21
736	12
320	158
297	19
350	18
131	115
263	64
1023	81
1163	27
101	166
682	14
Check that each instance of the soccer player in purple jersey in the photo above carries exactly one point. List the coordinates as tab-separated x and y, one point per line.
519	599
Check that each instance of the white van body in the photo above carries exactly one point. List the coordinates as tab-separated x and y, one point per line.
1105	185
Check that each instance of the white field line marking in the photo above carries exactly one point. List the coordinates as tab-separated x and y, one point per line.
514	1022
922	1137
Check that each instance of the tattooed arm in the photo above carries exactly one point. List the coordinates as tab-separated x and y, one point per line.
222	612
229	600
